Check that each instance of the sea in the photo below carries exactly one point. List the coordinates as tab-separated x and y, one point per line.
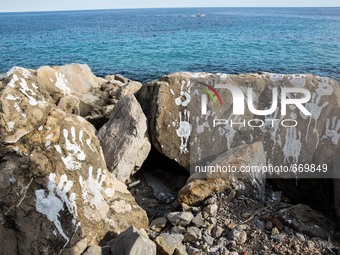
144	44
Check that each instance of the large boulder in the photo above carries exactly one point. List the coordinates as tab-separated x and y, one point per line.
55	190
75	89
124	138
201	185
185	128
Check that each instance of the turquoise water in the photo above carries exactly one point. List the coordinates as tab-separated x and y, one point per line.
146	43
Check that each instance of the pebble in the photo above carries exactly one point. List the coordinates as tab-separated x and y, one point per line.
240	237
192	234
198	221
269	225
158	224
180	218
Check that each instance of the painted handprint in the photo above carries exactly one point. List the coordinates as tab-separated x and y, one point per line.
332	130
74	149
184	97
53	203
92	194
184	130
292	147
61	83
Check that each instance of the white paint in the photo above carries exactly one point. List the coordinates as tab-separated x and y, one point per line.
184	94
172	92
332	130
53	203
10	125
88	142
23	71
75	152
184	130
292	147
58	148
10	97
121	206
61	83
26	91
92	193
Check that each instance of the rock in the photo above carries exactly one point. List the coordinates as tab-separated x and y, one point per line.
269	225
180	130
193	251
180	218
305	220
192	235
217	232
162	193
124	138
167	243
133	242
198	221
178	230
240	237
181	250
201	185
55	189
158	224
93	250
208	239
211	210
8	241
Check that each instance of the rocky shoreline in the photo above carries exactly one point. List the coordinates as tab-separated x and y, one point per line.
92	165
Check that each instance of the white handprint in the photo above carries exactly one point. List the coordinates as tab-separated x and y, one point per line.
61	83
184	130
53	203
184	95
92	193
292	147
333	130
75	152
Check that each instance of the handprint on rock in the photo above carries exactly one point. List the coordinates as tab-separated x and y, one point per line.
184	97
53	203
92	193
61	83
184	130
74	150
333	130
292	147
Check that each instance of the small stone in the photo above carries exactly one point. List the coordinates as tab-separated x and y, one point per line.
192	235
300	237
158	224
233	253
275	231
245	215
187	208
208	239
240	237
178	230
167	243
180	218
181	250
269	225
198	221
231	225
217	231
211	210
193	251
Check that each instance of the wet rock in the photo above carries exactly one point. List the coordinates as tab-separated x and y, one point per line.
192	234
124	138
167	243
158	224
54	174
180	218
133	242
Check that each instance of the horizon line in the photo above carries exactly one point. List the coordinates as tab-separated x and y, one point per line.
189	7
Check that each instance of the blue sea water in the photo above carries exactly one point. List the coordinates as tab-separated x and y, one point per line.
144	44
